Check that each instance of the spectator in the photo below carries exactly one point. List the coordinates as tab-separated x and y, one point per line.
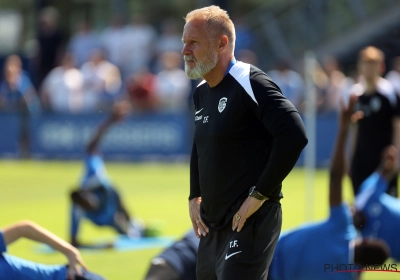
16	91
51	41
138	46
173	86
394	75
170	38
83	43
336	82
17	94
330	82
112	40
289	81
244	37
102	81
62	90
140	90
348	83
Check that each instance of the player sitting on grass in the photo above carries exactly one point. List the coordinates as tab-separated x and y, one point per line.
12	267
177	262
303	253
378	213
96	199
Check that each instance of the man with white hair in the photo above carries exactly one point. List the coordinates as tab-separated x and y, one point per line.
247	139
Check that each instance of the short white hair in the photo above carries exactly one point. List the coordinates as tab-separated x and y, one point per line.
217	21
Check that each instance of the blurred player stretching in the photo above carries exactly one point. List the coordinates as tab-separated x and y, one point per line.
96	199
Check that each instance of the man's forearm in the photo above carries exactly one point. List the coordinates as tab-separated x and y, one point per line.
352	142
337	169
338	159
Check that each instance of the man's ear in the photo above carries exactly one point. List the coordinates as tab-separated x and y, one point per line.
223	43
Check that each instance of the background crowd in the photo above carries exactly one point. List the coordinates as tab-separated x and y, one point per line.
90	70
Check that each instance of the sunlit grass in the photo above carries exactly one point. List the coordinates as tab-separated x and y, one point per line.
38	191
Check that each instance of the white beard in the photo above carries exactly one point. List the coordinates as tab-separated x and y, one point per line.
201	68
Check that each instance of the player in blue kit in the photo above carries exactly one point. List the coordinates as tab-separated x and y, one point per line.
96	199
304	253
177	262
15	268
378	213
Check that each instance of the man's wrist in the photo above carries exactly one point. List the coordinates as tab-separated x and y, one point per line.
256	194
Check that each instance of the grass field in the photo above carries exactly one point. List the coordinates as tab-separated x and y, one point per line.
38	190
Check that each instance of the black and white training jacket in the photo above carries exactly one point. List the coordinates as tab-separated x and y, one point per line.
247	133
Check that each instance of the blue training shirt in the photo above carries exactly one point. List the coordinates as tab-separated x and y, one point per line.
302	253
95	173
382	212
19	269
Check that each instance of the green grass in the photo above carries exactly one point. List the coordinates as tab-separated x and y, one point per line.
37	190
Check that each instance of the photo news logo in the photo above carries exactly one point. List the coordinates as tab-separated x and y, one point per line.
349	268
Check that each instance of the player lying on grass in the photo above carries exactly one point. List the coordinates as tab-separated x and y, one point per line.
303	253
177	262
377	213
96	199
12	267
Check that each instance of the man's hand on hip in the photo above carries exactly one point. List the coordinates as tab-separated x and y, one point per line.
194	211
249	206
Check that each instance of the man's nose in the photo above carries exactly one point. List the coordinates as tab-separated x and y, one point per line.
185	50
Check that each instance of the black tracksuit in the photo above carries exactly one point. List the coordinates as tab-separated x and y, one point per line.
247	133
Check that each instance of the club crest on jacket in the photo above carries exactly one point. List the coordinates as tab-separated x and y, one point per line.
222	104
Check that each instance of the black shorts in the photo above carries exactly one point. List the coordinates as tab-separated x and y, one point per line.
225	254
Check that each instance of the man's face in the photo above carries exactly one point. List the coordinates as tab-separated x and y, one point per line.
199	52
370	68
